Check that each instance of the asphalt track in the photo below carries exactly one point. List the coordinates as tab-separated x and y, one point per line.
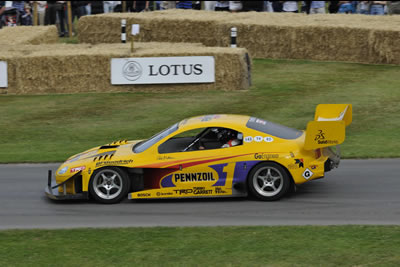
359	192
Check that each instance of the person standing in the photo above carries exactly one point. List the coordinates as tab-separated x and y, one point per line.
222	6
209	5
377	7
184	4
290	6
235	6
41	11
393	7
317	7
346	7
167	5
2	9
108	6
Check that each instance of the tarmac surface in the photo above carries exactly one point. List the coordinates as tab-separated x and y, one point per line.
358	192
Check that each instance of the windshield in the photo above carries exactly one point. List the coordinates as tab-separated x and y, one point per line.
273	129
142	146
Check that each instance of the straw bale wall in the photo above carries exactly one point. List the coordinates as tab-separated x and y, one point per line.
331	37
64	68
28	35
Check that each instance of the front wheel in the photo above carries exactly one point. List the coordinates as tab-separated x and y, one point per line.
109	185
268	181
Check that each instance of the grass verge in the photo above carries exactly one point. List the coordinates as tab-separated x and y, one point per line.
50	128
204	246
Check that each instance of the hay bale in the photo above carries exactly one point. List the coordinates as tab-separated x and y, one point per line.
333	37
28	35
63	68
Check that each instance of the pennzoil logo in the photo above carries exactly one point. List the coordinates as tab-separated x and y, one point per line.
194	177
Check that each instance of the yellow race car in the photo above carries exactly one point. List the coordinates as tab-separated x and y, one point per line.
207	156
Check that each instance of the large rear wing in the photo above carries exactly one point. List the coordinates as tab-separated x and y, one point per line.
329	126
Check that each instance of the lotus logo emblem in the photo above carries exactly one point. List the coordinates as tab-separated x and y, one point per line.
132	70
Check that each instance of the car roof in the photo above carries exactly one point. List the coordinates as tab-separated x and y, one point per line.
215	120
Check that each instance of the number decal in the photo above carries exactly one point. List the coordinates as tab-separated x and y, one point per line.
248	139
268	139
258	138
307	174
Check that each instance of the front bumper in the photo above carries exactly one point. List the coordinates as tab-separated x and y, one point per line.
52	192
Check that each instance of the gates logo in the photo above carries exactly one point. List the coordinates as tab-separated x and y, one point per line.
132	70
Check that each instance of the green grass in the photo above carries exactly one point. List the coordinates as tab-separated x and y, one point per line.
207	246
52	127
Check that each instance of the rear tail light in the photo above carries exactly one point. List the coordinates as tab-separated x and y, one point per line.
318	153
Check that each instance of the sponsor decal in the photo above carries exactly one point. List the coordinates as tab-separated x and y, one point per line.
307	174
258	138
265	156
300	162
3	74
144	195
63	170
331	142
164	157
194	177
210	117
319	135
259	121
113	162
218	190
268	139
313	167
164	194
320	138
248	139
77	169
163	70
194	191
89	171
132	70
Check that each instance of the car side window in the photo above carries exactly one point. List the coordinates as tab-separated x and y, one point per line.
202	139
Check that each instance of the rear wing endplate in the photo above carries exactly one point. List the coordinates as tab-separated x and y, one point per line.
329	126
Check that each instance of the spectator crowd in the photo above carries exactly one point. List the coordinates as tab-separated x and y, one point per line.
14	13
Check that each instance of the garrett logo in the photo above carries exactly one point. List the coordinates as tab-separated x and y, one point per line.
132	70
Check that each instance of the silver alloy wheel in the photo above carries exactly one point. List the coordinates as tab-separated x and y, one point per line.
107	184
268	181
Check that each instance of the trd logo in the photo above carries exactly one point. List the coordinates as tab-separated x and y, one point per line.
319	136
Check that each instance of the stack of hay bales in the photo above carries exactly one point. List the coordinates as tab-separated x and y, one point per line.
64	68
28	35
333	37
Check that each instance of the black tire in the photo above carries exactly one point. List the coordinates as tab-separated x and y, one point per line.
268	181
109	185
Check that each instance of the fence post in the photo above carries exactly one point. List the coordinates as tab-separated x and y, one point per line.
69	18
35	14
123	30
233	37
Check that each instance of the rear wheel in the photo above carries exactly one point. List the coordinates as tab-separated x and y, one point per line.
268	181
109	185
